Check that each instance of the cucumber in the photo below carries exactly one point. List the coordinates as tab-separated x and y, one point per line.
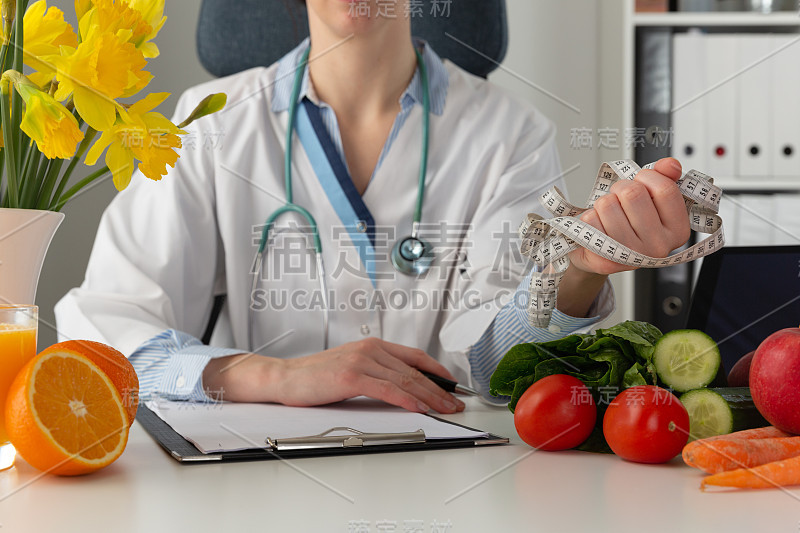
745	413
709	413
720	411
686	359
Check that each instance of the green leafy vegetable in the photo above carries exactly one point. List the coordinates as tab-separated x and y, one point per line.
607	362
634	376
641	336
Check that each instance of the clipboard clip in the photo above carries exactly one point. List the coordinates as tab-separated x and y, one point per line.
353	439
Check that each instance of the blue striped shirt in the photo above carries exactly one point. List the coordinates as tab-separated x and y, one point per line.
171	364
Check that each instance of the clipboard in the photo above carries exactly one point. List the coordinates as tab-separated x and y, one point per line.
323	444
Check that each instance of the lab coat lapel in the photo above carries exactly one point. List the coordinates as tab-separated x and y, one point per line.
335	180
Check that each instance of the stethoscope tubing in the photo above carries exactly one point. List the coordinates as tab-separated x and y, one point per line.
290	206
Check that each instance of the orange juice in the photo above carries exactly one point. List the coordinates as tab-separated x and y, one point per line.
17	347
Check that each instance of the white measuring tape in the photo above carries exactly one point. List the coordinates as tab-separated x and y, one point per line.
548	241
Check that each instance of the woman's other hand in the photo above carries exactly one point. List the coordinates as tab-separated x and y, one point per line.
369	367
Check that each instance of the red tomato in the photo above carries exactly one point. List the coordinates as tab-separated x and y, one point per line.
646	424
555	413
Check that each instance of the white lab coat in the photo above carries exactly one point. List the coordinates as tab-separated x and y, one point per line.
163	248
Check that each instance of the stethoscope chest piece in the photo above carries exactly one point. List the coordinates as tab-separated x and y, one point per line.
412	256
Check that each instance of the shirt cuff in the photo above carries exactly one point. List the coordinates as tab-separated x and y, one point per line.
183	376
561	325
171	365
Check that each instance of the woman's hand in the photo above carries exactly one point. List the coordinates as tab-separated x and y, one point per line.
646	214
370	367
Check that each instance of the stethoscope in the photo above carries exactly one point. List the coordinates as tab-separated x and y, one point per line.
410	255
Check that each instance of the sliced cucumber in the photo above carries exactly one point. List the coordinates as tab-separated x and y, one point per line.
709	414
745	413
720	411
686	359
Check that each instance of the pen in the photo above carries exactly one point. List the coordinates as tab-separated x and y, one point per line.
450	385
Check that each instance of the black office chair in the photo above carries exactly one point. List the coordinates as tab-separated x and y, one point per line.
235	35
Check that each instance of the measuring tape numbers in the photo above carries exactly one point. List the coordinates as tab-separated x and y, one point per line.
548	241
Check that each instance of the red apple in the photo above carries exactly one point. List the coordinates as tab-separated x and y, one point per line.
739	376
775	379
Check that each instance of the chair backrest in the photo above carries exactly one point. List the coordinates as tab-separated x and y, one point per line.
234	35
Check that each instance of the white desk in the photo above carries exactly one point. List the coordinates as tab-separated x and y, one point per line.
505	489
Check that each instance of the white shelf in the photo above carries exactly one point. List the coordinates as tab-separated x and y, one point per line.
731	184
625	18
730	19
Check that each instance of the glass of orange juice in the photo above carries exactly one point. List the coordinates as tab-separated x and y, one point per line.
18	327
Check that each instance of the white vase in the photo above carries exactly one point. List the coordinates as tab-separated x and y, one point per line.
25	235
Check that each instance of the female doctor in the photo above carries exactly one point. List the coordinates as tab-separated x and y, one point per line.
164	248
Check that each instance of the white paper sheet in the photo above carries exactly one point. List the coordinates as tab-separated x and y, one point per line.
217	427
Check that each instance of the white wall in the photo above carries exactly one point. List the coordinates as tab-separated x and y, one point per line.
554	48
563	60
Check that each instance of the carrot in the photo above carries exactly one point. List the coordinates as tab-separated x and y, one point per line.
766	432
778	474
721	455
697	454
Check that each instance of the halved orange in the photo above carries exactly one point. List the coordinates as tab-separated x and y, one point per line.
113	363
65	416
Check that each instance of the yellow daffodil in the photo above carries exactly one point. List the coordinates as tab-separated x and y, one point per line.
45	31
97	72
153	12
138	22
49	123
141	134
82	6
75	93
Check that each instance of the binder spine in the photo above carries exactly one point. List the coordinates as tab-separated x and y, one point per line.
662	295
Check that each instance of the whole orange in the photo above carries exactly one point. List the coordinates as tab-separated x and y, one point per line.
111	361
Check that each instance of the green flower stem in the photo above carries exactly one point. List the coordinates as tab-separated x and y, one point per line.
10	142
4	57
78	186
16	120
29	187
2	161
50	177
18	35
48	181
3	62
46	198
87	140
22	152
16	99
44	164
23	141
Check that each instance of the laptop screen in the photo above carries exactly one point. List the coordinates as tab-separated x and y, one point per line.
743	294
